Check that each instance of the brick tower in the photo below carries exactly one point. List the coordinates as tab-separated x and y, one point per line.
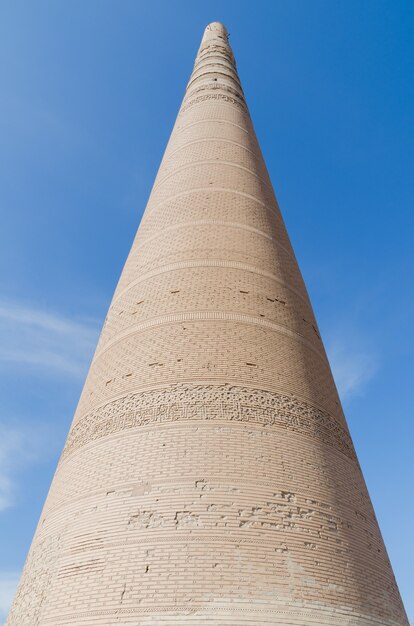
209	476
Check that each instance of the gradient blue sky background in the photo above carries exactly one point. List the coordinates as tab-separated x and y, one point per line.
89	93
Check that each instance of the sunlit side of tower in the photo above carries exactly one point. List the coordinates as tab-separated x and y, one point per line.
209	476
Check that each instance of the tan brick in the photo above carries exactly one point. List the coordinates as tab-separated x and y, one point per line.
209	476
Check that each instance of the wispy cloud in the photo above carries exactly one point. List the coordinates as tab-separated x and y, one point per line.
353	363
20	446
35	341
41	339
8	584
10	445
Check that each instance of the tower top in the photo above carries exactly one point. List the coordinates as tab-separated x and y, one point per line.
215	30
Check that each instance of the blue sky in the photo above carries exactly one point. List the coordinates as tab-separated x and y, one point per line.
89	93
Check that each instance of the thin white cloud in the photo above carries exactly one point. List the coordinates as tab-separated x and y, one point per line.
9	446
8	584
353	363
20	446
44	340
45	344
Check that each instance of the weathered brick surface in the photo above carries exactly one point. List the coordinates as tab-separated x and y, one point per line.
209	476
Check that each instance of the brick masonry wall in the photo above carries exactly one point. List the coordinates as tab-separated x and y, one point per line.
209	476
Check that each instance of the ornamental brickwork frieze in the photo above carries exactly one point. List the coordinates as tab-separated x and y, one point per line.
225	403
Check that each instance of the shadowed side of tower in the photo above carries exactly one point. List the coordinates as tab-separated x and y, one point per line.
209	475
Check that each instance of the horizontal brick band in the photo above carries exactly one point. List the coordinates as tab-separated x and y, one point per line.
209	86
210	316
209	140
177	226
207	120
212	96
223	163
237	265
209	402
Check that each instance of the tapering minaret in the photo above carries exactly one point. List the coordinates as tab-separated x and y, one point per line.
209	476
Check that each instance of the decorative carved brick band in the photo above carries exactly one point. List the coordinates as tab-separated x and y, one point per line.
215	86
209	402
212	96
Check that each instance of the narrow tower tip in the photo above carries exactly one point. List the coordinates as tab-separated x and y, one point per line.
214	30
